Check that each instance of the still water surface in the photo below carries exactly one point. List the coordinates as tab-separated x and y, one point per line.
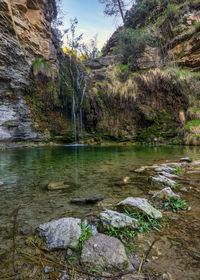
89	171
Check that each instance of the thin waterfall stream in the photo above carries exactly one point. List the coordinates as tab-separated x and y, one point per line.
78	93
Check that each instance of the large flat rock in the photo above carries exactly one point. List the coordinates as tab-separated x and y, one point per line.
116	219
137	204
104	253
61	234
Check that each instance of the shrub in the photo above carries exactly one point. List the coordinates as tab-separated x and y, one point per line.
197	26
131	43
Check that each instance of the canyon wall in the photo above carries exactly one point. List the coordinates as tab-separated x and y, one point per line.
25	34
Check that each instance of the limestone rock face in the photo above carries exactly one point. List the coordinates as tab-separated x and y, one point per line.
61	234
137	204
116	219
104	253
25	35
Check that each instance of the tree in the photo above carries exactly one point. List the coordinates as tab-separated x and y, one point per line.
90	50
73	41
114	8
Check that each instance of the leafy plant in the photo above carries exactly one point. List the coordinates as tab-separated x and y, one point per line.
71	259
145	221
121	233
176	184
176	204
85	235
179	170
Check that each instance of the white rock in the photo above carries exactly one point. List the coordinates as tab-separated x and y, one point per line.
116	219
161	181
166	169
104	253
169	175
61	234
140	205
166	193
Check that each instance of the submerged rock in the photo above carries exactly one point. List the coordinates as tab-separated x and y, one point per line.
126	180
137	204
104	253
140	170
89	200
186	159
166	194
1	183
56	186
116	219
62	233
161	181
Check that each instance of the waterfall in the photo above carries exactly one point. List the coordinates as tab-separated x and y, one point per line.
78	81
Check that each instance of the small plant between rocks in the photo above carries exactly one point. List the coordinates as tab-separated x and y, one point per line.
176	204
178	170
145	221
85	235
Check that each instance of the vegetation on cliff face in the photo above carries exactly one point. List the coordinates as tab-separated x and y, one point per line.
153	95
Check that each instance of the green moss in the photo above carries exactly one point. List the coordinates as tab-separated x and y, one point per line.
197	26
192	123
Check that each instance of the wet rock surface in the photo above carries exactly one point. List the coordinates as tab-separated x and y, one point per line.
137	204
104	253
116	220
61	234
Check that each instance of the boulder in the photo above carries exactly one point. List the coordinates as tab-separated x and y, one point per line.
116	219
89	200
165	169
104	253
1	183
161	181
56	186
186	159
61	234
137	204
166	194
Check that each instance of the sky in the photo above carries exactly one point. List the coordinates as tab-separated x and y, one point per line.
91	20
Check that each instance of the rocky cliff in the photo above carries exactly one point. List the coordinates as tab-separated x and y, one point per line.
25	34
152	92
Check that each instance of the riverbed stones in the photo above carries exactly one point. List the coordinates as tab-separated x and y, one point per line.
61	234
161	181
166	194
116	219
104	253
141	205
56	186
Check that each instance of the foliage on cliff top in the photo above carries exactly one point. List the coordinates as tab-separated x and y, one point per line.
147	11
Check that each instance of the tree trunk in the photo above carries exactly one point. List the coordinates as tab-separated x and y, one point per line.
121	10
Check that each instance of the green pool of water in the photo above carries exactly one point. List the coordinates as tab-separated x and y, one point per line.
88	171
